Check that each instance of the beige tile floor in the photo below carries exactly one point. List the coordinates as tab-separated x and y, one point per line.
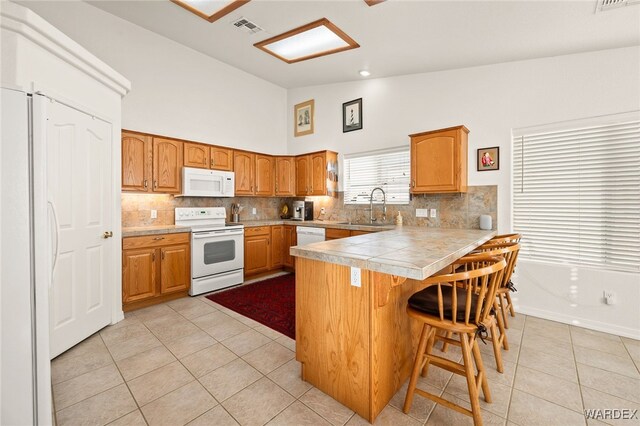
191	361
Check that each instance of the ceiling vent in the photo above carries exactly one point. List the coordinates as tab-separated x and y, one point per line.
604	5
246	25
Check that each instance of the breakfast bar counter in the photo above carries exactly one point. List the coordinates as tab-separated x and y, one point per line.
356	342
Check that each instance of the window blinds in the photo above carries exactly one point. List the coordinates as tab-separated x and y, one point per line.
576	193
388	169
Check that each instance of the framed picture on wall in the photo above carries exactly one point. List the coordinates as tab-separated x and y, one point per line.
303	118
352	115
488	159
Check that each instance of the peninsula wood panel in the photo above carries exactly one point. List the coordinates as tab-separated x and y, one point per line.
196	155
221	158
137	162
332	332
285	176
244	168
167	165
439	161
264	175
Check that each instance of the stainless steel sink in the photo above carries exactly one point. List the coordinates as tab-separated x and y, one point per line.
365	223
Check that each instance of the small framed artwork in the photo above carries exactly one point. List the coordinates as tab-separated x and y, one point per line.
352	115
488	159
303	118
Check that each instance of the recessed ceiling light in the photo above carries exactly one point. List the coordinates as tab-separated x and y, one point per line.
365	73
318	38
211	10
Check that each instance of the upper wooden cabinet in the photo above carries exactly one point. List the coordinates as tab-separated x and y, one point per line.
285	176
254	173
264	176
167	165
137	164
439	161
208	157
221	158
244	168
316	173
196	155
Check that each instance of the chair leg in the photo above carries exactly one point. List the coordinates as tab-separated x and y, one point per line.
511	309
424	337
430	342
503	309
503	334
445	345
496	342
471	379
480	367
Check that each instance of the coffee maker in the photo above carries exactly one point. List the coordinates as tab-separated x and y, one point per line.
302	210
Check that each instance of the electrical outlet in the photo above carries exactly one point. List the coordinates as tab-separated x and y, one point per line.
609	297
422	213
154	214
432	212
254	211
356	278
322	210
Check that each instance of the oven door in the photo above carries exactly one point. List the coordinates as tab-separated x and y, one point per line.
214	252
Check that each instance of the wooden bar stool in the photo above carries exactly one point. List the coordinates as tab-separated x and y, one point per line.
499	239
458	303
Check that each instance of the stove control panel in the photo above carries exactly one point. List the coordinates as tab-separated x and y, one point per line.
200	213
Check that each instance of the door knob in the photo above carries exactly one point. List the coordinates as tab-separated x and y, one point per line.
107	234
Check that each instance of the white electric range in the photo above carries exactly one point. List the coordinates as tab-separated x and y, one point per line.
217	249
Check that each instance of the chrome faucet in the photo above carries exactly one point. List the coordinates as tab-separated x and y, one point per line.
384	205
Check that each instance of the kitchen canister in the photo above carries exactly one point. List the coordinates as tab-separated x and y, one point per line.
485	222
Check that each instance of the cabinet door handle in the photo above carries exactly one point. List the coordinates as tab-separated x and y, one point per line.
146	184
155	184
153	256
163	252
413	183
212	163
158	238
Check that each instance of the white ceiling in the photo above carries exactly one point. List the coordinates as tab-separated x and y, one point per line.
396	37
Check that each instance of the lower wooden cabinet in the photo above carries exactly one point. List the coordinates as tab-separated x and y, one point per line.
155	268
290	238
277	246
257	250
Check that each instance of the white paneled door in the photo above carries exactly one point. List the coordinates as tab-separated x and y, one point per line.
80	219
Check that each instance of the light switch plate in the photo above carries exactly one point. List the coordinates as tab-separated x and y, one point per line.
154	214
356	277
253	210
432	212
422	213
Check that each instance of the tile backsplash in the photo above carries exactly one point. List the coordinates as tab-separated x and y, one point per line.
453	210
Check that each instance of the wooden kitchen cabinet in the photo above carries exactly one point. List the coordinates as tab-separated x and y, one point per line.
167	165
334	234
155	268
285	176
316	173
244	168
264	176
221	158
277	246
196	155
439	161
257	250
254	173
137	163
290	239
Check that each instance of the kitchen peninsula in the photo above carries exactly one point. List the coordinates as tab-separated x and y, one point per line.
356	343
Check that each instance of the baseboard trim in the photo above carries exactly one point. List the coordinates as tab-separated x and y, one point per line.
581	322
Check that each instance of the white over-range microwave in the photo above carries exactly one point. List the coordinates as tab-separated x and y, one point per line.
207	183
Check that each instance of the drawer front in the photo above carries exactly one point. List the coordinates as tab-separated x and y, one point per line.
337	233
257	230
155	240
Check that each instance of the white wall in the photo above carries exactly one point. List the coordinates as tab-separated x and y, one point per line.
176	91
491	101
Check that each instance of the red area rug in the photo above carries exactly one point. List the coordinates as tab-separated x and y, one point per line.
271	302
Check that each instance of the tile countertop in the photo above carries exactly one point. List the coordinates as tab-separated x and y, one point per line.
408	251
318	224
138	231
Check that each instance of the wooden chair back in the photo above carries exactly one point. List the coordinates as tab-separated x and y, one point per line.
504	238
508	250
479	277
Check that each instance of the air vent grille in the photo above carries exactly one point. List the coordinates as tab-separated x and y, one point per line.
247	26
604	5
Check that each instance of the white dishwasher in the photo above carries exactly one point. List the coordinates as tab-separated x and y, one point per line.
308	235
